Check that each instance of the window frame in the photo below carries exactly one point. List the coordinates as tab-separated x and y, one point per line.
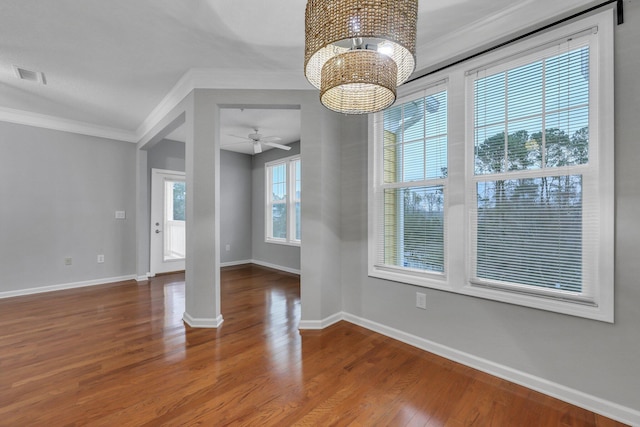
378	186
290	201
459	197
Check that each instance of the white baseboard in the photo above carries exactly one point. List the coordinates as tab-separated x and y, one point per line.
202	322
592	403
321	324
50	288
232	263
275	266
239	262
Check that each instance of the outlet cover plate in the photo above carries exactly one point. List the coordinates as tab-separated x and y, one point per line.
421	300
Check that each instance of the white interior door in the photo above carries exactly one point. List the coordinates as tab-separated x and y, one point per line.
168	221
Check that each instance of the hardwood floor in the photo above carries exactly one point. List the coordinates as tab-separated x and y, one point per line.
120	355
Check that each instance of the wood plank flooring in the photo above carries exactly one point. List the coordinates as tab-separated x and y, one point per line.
120	355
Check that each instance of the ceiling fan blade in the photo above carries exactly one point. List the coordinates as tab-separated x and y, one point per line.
280	146
270	138
237	144
241	137
257	148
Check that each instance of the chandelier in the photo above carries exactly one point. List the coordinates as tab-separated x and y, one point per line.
358	51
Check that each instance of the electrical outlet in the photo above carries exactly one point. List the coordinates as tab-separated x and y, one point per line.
228	247
121	214
100	259
421	300
68	261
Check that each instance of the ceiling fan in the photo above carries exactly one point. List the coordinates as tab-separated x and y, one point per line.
258	140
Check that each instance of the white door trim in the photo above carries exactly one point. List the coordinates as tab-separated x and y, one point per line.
157	264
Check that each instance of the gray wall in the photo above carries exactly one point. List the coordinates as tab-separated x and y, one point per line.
241	202
270	253
166	154
235	194
59	193
235	206
320	281
594	357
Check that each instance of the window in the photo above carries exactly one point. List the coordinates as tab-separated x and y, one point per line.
511	197
412	187
532	170
178	200
174	219
282	197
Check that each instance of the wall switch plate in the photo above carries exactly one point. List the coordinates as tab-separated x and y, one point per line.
121	214
421	300
68	261
100	259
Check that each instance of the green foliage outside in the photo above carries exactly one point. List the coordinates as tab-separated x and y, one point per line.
179	194
279	217
423	213
529	230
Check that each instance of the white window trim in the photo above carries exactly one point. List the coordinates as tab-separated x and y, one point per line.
431	279
460	166
290	240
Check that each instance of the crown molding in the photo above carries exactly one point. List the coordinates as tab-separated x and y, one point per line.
504	24
194	78
28	118
178	92
435	51
208	78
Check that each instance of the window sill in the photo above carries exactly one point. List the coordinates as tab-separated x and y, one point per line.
411	277
282	242
601	311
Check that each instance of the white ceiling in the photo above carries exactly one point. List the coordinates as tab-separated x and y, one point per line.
108	64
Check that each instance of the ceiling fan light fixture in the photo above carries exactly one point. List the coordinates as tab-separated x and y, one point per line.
255	136
257	148
374	33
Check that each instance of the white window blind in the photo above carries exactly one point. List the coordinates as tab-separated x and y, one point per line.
412	188
535	199
499	183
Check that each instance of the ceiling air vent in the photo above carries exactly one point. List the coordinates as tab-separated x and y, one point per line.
32	76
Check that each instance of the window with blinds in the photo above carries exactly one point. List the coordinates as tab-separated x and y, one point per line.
412	191
494	178
531	154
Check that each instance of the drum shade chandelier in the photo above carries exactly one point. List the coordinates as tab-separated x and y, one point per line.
358	51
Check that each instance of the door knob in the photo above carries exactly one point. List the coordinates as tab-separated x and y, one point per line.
157	231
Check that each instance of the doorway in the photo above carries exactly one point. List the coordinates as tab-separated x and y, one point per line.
168	221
